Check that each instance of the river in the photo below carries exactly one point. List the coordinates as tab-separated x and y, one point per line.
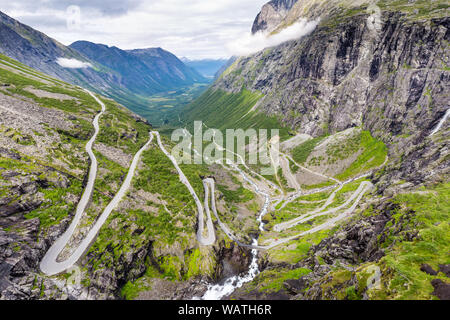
218	291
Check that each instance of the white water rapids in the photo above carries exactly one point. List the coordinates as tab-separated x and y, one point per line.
218	291
441	123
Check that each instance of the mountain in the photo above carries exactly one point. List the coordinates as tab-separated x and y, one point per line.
368	92
45	166
207	67
130	77
355	206
228	64
143	71
25	44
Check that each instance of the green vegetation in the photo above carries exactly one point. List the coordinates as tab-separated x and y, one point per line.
336	285
81	102
324	184
55	207
374	154
168	221
240	195
418	234
160	177
419	9
412	10
272	280
120	130
292	210
221	110
29	71
162	109
193	263
344	149
17	137
171	267
132	289
297	250
158	213
343	194
301	153
110	180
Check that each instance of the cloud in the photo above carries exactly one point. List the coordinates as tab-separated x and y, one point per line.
252	43
73	63
192	28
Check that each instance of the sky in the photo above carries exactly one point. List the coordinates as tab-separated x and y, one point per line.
196	29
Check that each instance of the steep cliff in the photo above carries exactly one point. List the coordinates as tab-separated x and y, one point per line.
272	14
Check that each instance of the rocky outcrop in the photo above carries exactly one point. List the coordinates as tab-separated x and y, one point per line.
232	260
441	289
22	242
271	15
107	280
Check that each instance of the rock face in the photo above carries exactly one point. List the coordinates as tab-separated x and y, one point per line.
441	289
271	15
348	75
233	260
20	250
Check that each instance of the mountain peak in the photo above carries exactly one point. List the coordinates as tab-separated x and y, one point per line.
271	15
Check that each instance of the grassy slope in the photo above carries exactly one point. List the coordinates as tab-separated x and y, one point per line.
170	223
221	110
373	153
425	212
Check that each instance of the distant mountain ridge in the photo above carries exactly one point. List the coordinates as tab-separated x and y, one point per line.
272	13
206	67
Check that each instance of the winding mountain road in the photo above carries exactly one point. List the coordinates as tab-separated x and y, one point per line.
210	238
363	187
441	123
362	190
50	264
286	169
209	187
